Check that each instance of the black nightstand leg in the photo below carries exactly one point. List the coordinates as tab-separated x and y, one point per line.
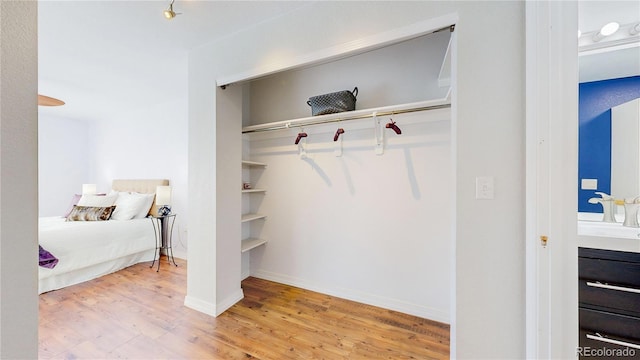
168	244
158	236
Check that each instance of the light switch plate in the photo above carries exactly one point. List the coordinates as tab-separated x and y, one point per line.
484	187
589	184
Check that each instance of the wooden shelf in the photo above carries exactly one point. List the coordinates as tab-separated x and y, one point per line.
253	163
251	217
254	190
251	243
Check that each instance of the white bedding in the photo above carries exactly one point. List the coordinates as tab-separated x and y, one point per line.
89	249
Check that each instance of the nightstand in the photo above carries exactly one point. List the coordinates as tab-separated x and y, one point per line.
163	229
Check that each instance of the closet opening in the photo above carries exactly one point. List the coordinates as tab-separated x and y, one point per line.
364	213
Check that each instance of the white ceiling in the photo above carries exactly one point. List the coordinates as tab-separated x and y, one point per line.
105	57
102	57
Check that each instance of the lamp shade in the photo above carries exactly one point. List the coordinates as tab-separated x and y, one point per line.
163	195
89	189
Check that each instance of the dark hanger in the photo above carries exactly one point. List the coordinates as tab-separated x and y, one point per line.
300	136
392	125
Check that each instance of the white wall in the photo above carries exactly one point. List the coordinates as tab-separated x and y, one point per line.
370	228
143	143
146	143
18	182
65	153
488	139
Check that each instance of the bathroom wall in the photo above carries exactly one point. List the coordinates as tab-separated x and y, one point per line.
594	152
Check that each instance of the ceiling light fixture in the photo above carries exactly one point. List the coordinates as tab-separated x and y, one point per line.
635	29
608	29
169	13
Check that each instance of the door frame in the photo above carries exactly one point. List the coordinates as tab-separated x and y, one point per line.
551	179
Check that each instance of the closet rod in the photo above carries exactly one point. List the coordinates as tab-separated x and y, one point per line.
371	114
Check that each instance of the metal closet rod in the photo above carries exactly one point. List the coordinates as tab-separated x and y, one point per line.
348	118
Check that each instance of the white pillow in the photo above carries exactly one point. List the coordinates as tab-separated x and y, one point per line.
144	210
127	206
98	200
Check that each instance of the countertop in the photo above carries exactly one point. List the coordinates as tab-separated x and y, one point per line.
593	233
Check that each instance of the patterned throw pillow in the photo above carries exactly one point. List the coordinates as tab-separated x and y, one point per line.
90	213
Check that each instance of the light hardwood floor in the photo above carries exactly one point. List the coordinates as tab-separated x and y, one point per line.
138	313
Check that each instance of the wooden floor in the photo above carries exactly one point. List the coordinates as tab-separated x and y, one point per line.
138	313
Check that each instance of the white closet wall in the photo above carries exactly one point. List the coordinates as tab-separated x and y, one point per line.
400	73
372	228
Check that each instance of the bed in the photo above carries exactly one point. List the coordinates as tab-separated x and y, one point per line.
86	250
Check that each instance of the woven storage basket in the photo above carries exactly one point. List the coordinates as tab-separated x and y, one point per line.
334	102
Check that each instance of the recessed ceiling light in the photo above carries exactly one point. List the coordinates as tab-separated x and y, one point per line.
634	30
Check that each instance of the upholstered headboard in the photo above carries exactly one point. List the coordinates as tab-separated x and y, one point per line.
143	186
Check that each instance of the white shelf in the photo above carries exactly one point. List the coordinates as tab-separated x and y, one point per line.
251	217
253	163
349	115
251	243
253	190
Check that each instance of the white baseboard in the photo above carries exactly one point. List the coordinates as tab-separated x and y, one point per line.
229	301
439	315
200	305
210	308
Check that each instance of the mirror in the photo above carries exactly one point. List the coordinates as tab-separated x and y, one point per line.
625	149
609	77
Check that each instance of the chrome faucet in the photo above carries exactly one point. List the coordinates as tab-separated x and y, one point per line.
608	206
631	207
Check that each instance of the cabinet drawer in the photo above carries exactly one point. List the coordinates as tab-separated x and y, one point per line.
618	300
610	324
610	271
593	346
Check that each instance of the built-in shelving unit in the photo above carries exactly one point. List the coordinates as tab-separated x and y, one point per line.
247	215
252	243
253	163
253	191
251	217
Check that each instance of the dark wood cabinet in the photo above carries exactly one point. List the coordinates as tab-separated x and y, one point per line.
609	304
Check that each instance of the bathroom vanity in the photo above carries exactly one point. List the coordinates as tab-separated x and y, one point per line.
608	285
609	300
